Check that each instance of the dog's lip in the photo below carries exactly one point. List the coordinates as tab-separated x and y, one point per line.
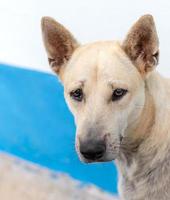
102	160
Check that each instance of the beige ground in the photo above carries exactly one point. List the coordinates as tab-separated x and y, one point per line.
20	180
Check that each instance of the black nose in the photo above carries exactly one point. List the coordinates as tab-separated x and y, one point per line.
92	150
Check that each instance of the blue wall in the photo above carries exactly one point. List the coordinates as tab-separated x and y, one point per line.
36	125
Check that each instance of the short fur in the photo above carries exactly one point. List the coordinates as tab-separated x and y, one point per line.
136	128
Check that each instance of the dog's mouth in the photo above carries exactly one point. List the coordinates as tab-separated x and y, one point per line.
100	160
107	157
87	161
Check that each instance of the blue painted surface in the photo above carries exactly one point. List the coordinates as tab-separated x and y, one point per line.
36	125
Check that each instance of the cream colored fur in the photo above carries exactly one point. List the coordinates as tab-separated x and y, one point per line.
141	118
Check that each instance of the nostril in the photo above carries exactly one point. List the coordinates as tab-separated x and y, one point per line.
94	153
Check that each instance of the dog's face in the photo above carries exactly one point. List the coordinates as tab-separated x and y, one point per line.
104	91
103	84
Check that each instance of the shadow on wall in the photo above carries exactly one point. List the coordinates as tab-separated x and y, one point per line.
36	125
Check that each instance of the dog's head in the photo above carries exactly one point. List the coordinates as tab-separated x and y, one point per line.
103	83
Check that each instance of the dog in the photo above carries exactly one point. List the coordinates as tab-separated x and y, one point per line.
120	104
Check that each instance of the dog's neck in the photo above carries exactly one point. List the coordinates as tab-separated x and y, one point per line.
148	134
139	130
142	128
144	161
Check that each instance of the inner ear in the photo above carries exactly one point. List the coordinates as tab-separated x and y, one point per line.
59	43
142	45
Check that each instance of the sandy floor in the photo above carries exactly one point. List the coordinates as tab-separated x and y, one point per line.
21	180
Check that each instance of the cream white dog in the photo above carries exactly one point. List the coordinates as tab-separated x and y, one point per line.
120	104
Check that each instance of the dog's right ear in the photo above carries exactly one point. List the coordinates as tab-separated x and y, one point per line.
59	43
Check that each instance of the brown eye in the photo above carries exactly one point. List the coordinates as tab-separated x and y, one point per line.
77	94
118	94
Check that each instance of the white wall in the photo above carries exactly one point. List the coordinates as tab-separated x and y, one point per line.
89	20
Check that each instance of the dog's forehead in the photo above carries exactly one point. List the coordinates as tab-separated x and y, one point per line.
101	60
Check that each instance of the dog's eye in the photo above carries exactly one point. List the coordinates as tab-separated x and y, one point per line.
77	94
118	94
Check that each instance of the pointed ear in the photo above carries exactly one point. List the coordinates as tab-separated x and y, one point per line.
59	43
142	45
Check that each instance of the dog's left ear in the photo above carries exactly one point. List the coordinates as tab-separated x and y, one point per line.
59	44
142	45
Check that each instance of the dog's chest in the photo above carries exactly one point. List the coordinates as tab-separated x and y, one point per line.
145	180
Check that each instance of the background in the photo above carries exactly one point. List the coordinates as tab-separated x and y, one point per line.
35	123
